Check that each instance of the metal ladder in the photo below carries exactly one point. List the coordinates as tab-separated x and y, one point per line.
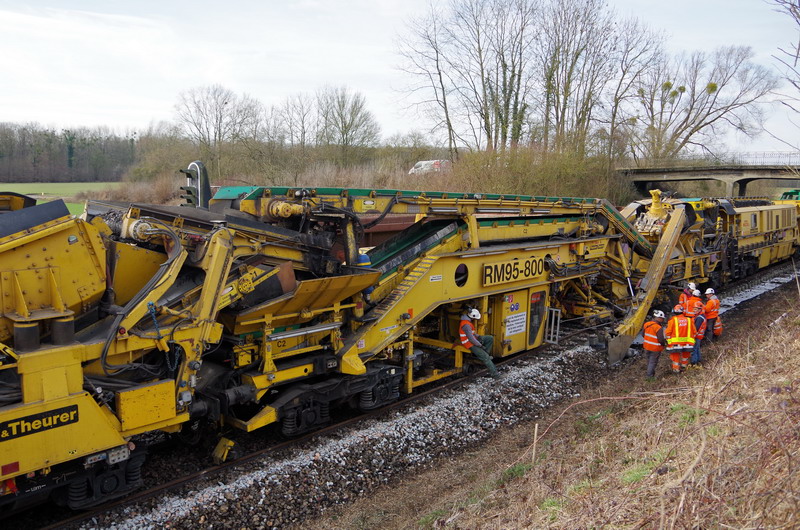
552	329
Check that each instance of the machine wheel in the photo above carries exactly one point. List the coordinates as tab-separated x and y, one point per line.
308	416
386	391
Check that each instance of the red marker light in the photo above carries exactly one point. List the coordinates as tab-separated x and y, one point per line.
7	469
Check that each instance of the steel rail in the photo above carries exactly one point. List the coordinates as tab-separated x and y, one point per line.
219	468
761	277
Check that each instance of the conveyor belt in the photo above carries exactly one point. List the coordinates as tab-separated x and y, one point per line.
627	229
410	244
363	201
33	216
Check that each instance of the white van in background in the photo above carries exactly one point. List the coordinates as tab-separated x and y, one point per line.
430	166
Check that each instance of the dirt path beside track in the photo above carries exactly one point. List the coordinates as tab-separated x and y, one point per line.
483	487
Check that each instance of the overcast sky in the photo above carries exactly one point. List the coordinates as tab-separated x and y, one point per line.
123	63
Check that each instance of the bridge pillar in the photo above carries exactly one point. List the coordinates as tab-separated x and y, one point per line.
729	187
742	185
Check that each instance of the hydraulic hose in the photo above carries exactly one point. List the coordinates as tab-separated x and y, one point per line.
158	277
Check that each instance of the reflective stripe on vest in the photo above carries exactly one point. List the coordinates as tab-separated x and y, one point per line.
651	336
463	336
683	329
712	307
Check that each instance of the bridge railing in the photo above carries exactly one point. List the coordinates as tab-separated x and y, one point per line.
762	158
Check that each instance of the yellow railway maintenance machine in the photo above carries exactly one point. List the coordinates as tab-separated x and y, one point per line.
261	310
711	242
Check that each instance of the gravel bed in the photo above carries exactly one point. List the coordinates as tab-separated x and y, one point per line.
278	492
283	490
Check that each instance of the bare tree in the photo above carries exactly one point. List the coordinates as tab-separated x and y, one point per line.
213	115
423	51
637	51
689	101
576	48
472	61
511	40
345	122
298	112
788	58
260	145
502	71
299	121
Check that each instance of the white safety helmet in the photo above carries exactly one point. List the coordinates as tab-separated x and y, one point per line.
696	292
474	314
692	286
709	291
659	314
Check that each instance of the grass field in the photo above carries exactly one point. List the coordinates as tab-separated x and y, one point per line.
47	191
75	208
55	189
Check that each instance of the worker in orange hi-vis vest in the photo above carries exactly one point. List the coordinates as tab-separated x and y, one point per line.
712	314
479	345
654	340
694	305
686	294
718	327
680	339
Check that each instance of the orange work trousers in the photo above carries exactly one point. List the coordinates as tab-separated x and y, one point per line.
680	358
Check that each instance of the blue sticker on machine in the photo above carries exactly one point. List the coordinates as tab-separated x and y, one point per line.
35	423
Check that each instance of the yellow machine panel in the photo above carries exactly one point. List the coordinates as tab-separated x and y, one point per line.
56	269
145	404
510	321
133	266
307	299
39	435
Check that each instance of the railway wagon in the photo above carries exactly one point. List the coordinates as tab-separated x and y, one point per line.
259	308
764	234
725	239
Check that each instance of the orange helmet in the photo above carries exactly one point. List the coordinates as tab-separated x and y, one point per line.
678	309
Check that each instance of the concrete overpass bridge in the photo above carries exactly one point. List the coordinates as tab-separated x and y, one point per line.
736	170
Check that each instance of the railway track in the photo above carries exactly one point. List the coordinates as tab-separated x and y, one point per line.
571	331
218	469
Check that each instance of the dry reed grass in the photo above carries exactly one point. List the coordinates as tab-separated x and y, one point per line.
164	189
717	448
518	173
521	172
